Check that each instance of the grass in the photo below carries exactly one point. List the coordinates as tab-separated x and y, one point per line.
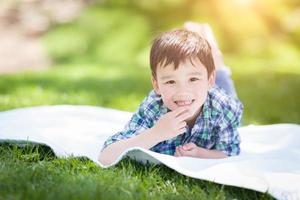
75	84
29	172
105	64
267	90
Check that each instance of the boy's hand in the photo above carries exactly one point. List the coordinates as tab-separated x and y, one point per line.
205	31
191	150
171	124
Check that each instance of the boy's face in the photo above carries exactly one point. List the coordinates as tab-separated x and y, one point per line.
187	86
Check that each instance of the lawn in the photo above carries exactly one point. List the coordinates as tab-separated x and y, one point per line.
115	74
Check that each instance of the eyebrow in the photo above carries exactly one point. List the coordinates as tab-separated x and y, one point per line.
195	74
190	74
166	77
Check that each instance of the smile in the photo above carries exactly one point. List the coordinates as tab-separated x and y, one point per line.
184	103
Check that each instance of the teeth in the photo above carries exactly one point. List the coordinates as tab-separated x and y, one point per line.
183	103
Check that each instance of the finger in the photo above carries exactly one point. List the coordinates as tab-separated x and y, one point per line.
179	111
181	152
189	146
188	153
177	153
182	124
183	116
182	130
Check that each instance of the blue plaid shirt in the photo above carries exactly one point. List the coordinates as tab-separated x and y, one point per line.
215	127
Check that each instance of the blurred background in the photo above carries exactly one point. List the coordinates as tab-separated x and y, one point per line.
95	52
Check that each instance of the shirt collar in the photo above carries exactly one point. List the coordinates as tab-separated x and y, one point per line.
205	112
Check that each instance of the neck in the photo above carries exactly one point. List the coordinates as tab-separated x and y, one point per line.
192	121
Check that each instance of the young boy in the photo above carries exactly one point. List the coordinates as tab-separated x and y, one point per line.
185	114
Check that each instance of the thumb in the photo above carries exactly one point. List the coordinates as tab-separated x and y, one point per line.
189	146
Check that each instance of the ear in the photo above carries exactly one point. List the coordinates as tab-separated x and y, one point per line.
155	85
212	79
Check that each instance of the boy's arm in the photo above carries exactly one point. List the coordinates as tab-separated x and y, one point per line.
146	140
137	134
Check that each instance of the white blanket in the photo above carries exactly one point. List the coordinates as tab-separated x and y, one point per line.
269	160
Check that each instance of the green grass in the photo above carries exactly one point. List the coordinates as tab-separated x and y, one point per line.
106	64
268	90
31	172
76	84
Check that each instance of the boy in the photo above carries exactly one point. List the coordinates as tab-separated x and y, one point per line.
185	114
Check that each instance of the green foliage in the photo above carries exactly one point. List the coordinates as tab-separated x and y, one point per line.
100	35
65	43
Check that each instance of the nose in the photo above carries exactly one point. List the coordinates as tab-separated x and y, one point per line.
182	96
182	93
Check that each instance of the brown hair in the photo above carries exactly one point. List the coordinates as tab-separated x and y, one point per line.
178	45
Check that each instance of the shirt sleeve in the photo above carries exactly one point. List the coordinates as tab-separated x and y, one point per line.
227	137
136	125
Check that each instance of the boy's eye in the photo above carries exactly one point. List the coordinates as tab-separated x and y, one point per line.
170	82
194	79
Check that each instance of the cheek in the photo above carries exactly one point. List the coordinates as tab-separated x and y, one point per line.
167	92
167	97
201	91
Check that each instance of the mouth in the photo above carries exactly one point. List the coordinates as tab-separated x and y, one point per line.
184	103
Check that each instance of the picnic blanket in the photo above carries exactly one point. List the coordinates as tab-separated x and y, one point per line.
269	159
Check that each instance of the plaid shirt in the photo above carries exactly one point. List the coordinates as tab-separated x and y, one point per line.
215	127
